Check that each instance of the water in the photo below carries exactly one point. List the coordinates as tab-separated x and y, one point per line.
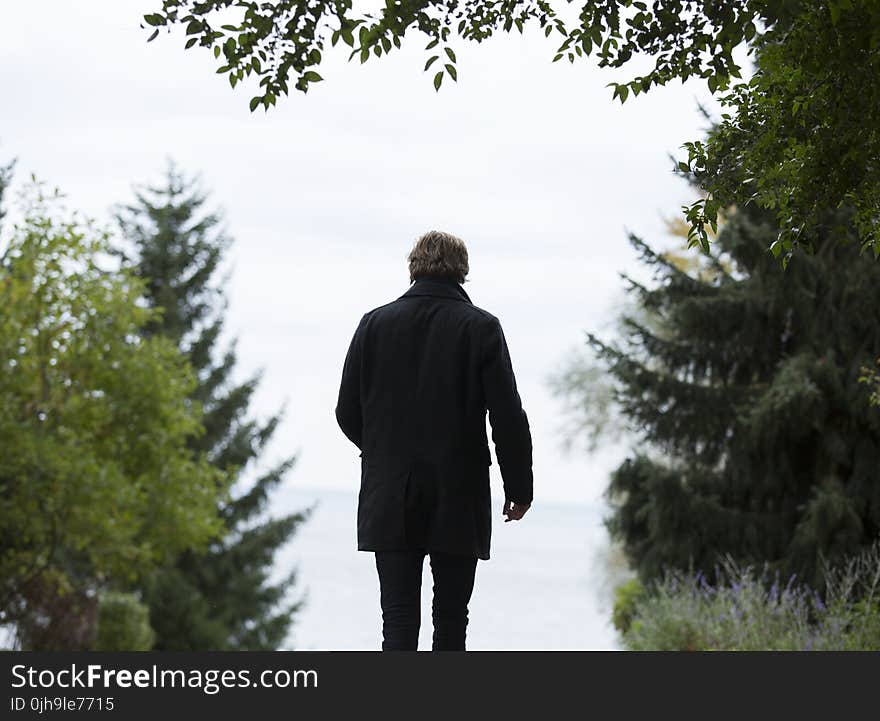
543	588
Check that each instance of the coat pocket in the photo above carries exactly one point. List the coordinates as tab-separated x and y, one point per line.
381	504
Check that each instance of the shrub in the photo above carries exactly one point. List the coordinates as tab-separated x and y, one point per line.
626	596
123	624
746	611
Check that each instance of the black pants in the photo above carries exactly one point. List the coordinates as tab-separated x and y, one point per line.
400	584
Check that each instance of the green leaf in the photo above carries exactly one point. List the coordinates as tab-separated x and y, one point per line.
155	19
312	77
835	12
450	54
431	61
438	78
255	101
452	72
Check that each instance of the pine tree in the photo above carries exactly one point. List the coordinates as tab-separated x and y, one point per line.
755	436
221	599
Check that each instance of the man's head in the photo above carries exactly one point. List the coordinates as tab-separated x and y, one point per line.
438	254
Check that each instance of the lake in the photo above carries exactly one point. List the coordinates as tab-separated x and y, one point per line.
545	587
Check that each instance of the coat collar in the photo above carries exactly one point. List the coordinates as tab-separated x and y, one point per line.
438	287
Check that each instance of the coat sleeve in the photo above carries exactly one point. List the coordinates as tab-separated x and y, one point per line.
510	424
348	406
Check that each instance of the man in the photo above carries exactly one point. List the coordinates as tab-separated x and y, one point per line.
419	376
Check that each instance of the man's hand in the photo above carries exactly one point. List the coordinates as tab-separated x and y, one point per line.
514	511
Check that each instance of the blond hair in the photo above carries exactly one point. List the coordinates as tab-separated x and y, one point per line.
438	253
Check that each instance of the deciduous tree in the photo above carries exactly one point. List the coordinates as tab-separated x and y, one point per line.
799	136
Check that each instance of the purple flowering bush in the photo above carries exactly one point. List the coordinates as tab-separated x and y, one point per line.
749	611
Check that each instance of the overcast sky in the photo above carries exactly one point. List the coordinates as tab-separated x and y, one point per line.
530	162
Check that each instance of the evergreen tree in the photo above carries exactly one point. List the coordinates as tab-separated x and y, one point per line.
221	599
740	381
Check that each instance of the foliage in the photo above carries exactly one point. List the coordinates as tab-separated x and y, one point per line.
871	376
219	598
626	598
582	383
751	433
123	624
747	611
802	135
96	479
271	41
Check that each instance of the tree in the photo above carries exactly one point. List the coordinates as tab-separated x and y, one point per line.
97	482
123	624
220	598
752	433
802	135
583	386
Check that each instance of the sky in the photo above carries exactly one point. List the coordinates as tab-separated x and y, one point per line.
530	162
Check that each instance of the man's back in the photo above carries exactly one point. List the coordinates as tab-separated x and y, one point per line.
423	351
419	377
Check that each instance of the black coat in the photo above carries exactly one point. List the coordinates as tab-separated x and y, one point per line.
420	374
